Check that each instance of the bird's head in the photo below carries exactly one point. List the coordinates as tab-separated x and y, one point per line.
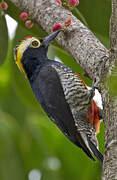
31	51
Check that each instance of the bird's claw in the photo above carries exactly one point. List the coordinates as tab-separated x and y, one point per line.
95	84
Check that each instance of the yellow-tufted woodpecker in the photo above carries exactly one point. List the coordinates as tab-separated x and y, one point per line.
61	92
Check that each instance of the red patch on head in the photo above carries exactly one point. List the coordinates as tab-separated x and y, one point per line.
28	37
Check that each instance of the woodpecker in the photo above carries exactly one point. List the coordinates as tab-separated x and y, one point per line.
61	92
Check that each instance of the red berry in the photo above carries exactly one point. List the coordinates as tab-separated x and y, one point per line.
23	16
73	2
3	6
57	26
68	22
59	2
28	24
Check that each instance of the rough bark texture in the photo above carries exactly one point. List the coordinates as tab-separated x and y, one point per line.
110	107
110	152
78	41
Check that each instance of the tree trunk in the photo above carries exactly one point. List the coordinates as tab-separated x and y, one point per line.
109	97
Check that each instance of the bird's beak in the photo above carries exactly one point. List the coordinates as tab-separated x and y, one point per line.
50	37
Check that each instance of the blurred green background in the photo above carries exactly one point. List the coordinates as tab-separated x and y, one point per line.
31	146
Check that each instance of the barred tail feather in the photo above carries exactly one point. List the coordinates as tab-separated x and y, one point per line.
95	151
81	143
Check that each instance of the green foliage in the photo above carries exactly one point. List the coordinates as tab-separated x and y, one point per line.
3	39
28	139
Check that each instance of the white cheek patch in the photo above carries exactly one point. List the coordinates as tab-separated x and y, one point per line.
25	44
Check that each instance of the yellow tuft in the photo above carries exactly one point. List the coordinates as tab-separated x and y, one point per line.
18	58
24	44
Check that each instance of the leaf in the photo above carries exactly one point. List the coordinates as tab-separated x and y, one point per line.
3	39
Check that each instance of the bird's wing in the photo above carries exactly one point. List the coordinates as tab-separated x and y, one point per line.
49	92
96	113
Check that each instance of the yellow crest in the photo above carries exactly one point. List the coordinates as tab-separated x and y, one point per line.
20	49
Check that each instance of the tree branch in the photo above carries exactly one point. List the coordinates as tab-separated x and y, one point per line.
110	105
78	41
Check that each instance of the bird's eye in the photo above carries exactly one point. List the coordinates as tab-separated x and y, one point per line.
35	44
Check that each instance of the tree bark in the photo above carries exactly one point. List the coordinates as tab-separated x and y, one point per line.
87	50
110	105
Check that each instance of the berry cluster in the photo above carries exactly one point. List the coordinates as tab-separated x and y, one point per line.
3	6
69	3
61	26
73	2
24	16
